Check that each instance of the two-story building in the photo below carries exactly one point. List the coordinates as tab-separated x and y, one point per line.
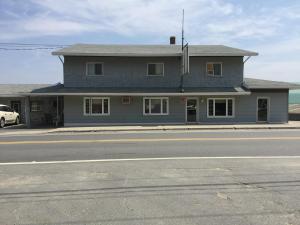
144	84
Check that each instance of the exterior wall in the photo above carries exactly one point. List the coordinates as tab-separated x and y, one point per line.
132	72
119	113
48	111
245	110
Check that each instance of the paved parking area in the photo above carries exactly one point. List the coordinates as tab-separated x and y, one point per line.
192	191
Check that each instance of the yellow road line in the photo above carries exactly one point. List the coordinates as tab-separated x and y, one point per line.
132	140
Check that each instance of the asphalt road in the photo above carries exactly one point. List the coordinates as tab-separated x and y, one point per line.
118	145
142	190
169	192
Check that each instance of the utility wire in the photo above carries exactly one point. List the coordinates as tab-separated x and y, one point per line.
29	49
28	46
32	44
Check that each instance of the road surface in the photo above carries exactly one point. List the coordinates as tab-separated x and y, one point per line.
157	182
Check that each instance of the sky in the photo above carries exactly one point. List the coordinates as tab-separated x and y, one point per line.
269	27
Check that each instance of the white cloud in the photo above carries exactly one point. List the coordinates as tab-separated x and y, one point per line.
277	61
122	17
272	31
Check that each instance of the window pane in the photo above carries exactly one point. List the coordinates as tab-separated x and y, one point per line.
155	69
147	106
105	106
230	107
210	69
155	106
211	108
98	69
159	69
87	106
91	69
220	107
217	69
96	106
165	106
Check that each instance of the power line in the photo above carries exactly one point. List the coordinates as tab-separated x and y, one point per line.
9	46
27	49
32	44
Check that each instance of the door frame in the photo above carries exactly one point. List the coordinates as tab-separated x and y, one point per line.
268	110
197	109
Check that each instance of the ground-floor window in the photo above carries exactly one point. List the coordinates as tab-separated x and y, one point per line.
156	106
96	106
35	106
220	107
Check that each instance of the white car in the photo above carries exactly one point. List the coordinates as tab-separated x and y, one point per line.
8	116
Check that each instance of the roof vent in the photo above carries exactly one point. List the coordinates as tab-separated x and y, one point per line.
172	40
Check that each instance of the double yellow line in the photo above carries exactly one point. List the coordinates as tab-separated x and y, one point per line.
135	140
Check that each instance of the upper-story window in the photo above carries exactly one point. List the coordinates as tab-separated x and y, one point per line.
214	69
94	69
155	69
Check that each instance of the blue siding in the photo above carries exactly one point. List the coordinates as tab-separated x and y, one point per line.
245	110
132	72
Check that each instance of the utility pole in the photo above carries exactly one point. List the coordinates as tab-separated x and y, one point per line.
182	30
182	42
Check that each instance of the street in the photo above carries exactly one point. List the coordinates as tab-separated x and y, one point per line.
90	146
182	177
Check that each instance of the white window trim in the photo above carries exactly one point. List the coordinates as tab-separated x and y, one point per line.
161	106
96	114
213	116
92	75
269	104
154	75
213	75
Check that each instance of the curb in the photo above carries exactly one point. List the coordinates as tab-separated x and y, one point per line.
171	129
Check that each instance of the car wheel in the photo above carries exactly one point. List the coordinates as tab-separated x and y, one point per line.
17	121
2	122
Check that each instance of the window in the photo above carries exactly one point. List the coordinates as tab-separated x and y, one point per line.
94	69
156	106
155	69
96	106
35	106
5	109
220	107
214	69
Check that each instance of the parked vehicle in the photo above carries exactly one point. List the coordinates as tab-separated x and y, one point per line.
8	116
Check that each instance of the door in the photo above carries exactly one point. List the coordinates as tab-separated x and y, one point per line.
191	110
262	110
16	106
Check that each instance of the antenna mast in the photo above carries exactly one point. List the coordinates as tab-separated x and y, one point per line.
182	32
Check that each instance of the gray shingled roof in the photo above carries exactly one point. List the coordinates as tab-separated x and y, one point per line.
150	50
16	90
252	83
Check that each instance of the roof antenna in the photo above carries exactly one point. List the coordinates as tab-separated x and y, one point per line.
182	31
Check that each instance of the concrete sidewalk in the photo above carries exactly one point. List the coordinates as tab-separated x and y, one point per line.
290	125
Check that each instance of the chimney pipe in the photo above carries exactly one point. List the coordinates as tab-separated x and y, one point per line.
172	40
